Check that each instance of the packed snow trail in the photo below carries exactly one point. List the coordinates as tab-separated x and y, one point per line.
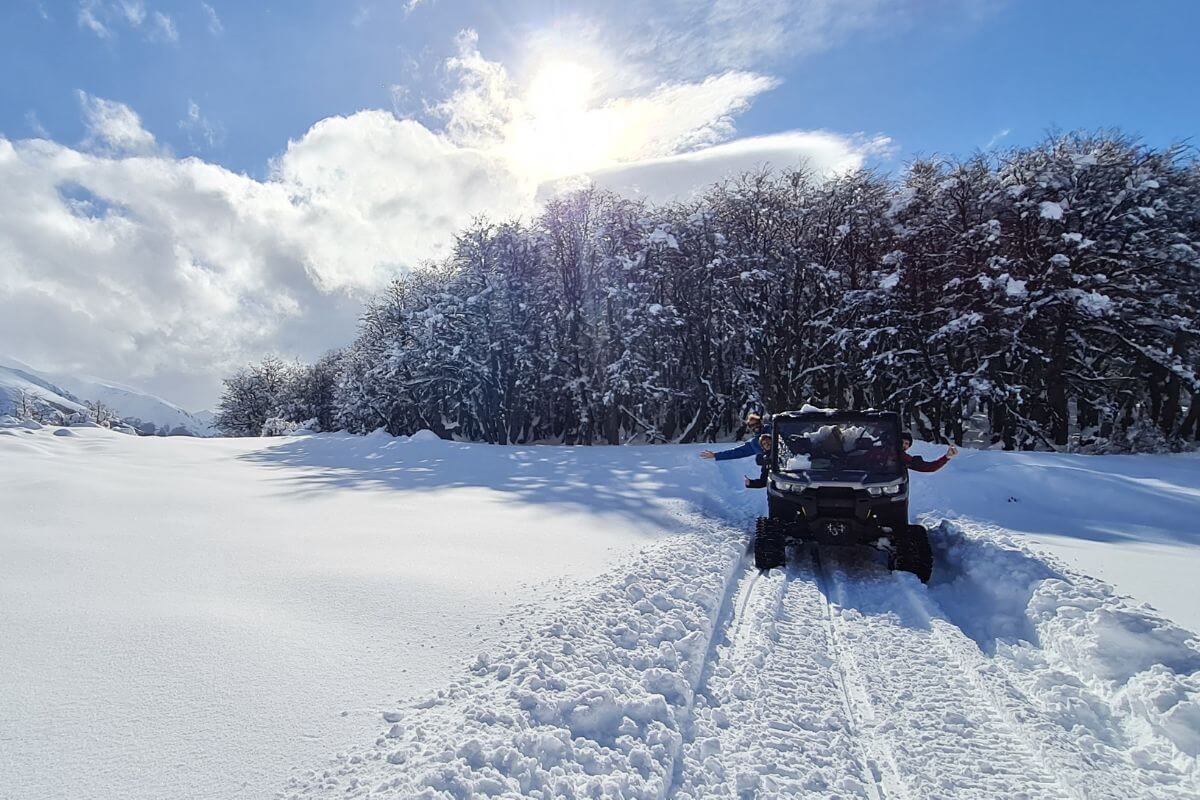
943	738
841	679
770	717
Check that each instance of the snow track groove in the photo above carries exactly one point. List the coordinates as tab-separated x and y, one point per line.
770	718
944	739
1080	776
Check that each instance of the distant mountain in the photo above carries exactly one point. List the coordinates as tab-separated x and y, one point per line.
19	384
69	393
207	418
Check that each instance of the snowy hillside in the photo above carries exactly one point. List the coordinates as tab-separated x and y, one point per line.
125	400
18	385
337	616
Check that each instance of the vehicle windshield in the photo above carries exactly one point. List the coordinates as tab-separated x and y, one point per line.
857	451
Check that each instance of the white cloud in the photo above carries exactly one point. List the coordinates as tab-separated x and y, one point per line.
134	11
168	272
201	131
996	138
89	17
559	124
34	123
162	28
102	16
692	39
214	21
680	177
390	193
482	106
114	127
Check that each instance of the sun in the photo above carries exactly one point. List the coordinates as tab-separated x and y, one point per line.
558	89
559	132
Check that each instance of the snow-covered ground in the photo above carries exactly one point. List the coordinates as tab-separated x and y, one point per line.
1132	520
340	616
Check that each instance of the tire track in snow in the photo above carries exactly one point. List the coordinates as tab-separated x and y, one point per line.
941	734
1092	734
768	718
1082	777
858	708
685	673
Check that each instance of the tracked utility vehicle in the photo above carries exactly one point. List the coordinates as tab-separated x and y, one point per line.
838	478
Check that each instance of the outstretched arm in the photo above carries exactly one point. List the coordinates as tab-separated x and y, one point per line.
918	464
744	450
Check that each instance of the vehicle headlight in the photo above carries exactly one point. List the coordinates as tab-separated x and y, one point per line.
874	491
894	488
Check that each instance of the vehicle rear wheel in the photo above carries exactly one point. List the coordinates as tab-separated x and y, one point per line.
913	553
770	546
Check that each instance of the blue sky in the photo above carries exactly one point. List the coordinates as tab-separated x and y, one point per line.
188	185
941	77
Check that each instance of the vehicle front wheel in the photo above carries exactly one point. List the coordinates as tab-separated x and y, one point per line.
770	546
913	553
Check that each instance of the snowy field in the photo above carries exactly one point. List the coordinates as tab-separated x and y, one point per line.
333	616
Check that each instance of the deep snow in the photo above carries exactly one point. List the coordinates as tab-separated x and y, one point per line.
191	618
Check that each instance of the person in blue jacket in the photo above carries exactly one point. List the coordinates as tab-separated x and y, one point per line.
751	447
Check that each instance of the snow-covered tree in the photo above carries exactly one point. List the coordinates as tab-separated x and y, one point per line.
251	396
1040	297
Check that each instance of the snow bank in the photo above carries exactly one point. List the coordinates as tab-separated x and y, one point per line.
1129	520
7	421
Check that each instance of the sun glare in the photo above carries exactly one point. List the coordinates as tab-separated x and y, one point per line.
560	88
560	134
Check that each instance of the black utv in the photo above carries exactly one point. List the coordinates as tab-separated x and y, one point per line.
838	477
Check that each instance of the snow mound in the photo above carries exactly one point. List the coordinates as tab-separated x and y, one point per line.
7	421
809	408
1050	210
425	435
